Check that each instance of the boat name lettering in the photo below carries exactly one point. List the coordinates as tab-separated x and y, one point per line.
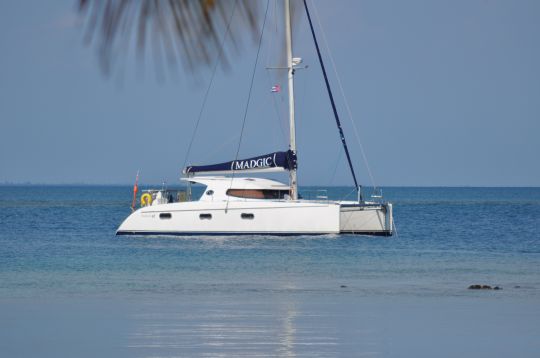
253	163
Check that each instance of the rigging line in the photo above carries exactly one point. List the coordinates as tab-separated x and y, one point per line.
395	228
269	79
344	97
277	112
347	194
209	156
214	70
336	116
336	166
249	97
271	43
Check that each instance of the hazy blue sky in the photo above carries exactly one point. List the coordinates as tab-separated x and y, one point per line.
443	92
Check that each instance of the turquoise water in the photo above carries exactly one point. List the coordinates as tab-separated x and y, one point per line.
62	267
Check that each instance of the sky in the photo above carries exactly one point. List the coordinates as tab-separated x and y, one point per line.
443	93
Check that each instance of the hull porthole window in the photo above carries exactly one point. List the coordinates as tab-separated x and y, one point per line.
247	216
165	215
205	216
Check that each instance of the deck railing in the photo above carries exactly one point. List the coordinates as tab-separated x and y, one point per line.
314	194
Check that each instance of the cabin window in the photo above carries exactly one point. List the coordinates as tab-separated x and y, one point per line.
165	215
258	193
247	216
205	216
210	192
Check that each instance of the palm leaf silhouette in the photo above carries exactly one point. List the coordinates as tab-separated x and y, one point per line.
185	32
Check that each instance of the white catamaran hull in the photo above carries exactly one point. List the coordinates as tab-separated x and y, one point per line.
272	218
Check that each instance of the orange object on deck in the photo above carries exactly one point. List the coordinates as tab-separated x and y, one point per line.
135	190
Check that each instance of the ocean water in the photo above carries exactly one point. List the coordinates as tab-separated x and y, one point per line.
69	287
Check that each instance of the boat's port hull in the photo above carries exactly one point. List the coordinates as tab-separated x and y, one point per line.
238	217
258	218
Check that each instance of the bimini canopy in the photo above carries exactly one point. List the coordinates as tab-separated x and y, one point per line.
273	162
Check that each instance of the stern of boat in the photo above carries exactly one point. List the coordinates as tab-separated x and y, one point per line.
366	219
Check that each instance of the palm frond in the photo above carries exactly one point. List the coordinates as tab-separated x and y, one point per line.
185	32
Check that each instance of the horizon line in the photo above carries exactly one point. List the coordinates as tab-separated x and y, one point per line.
5	184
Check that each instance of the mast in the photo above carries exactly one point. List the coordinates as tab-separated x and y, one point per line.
290	76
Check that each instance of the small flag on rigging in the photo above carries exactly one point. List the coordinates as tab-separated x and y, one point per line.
276	88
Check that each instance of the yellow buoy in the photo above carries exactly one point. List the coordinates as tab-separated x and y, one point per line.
146	199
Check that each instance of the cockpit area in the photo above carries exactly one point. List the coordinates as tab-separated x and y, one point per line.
162	196
223	188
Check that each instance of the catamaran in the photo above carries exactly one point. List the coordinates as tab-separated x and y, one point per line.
234	205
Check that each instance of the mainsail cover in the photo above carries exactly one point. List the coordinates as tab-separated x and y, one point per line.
277	161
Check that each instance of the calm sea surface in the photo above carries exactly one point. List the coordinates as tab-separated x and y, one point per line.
69	287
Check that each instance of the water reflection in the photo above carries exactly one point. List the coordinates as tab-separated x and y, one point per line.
234	326
288	335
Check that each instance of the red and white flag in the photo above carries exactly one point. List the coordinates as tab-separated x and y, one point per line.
276	88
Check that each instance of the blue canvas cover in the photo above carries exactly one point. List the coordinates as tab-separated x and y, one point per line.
268	162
